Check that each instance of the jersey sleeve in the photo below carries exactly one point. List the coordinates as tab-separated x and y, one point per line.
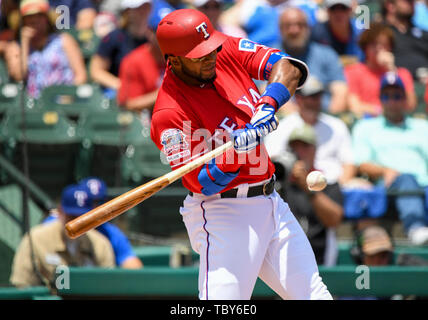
259	60
252	56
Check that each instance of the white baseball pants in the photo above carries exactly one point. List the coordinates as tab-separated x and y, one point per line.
240	239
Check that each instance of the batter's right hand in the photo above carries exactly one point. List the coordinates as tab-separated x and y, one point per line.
247	139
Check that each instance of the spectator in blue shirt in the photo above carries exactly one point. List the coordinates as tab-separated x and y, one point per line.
104	66
420	18
392	150
124	255
259	19
161	8
82	13
340	31
322	60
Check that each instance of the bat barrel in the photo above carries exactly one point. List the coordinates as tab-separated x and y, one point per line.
130	199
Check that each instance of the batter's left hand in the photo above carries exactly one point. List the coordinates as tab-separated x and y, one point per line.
245	140
264	119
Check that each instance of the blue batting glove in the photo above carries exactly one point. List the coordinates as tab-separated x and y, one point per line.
247	139
264	119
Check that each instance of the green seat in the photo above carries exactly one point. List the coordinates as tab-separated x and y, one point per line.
52	146
159	215
87	39
4	74
421	107
73	100
88	43
144	162
11	219
11	97
106	138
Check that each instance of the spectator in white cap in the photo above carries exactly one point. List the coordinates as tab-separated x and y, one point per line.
104	66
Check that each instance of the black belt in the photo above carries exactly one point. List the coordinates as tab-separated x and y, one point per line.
264	189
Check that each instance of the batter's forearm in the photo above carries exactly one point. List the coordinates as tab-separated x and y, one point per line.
287	74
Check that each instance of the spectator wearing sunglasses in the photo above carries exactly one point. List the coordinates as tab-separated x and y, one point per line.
392	150
378	44
340	31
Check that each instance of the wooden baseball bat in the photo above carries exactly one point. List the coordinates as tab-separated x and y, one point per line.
130	199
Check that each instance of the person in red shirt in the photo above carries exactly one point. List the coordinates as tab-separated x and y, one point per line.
364	78
236	221
140	76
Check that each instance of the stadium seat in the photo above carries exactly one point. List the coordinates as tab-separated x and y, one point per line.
144	162
87	40
106	140
73	100
52	146
420	110
159	215
10	98
4	74
11	225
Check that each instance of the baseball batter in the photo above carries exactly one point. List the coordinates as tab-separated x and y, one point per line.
235	220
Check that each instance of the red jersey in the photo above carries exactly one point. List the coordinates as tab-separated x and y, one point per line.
187	120
139	74
368	90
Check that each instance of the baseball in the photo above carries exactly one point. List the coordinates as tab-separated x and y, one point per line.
316	181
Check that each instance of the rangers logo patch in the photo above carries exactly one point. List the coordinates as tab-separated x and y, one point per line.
174	144
247	45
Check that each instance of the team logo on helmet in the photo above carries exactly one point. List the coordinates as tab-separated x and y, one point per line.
204	29
174	144
80	197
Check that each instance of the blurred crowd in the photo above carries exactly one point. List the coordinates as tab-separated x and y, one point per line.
361	118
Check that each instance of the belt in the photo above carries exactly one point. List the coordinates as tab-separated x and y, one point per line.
264	189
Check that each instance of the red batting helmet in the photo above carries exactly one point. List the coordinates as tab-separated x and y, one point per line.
188	33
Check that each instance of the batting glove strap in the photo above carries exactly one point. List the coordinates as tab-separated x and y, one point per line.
264	120
213	179
278	92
